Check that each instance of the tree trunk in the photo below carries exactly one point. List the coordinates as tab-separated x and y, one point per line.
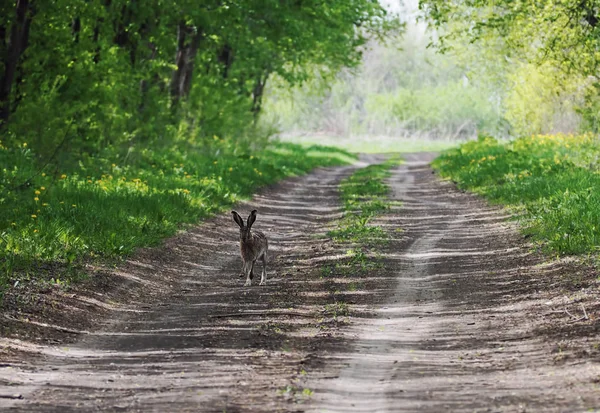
257	93
76	29
145	83
179	62
17	43
122	37
190	58
226	59
181	81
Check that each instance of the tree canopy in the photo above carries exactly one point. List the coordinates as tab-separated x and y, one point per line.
89	73
552	46
564	32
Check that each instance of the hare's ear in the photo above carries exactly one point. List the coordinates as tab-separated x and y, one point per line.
251	218
238	219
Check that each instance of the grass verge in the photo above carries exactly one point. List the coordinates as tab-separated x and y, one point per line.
54	219
551	182
364	196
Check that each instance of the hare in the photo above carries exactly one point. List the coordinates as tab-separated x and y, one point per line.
253	246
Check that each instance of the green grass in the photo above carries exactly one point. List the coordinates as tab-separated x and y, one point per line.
104	207
551	181
364	196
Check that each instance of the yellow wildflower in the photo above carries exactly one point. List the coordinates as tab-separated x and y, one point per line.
35	230
63	176
37	192
36	199
33	216
43	188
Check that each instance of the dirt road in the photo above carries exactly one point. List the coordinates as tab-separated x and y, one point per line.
462	315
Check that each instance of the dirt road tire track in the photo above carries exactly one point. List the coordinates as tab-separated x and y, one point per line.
461	317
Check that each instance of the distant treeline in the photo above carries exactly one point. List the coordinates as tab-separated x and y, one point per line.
499	67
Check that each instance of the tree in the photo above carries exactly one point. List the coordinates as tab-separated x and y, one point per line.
14	37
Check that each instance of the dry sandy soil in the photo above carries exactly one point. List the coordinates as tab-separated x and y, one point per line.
459	313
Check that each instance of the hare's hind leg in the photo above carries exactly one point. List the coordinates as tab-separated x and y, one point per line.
263	278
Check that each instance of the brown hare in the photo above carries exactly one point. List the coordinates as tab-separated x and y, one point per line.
253	246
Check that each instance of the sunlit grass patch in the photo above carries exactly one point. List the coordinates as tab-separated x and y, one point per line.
551	179
105	207
364	196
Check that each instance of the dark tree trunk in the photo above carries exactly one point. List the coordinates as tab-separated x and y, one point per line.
3	44
179	62
96	35
226	59
122	37
190	58
188	42
76	29
19	35
20	75
257	93
145	83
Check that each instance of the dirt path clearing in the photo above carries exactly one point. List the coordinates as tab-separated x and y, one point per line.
461	317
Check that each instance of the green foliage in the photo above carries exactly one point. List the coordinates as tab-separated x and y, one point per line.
542	53
107	205
91	74
550	179
541	99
